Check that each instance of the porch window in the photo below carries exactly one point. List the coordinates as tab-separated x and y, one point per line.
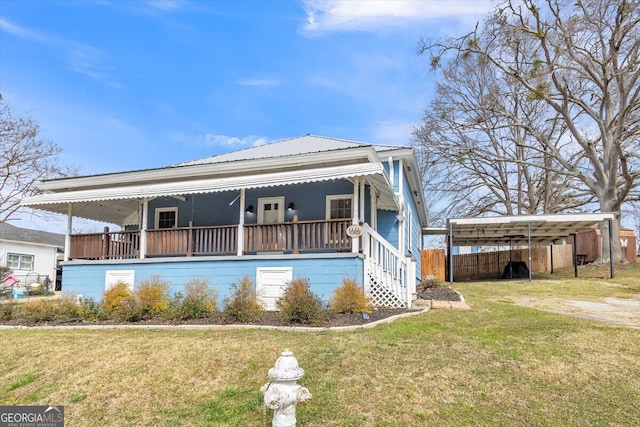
166	217
339	206
20	261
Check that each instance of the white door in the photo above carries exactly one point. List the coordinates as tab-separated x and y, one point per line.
270	210
270	284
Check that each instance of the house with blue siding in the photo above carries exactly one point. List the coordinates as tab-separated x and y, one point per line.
311	207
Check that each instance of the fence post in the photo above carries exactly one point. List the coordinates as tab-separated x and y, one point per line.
190	239
104	250
296	248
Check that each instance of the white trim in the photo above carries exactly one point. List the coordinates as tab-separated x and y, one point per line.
409	230
157	216
331	197
125	198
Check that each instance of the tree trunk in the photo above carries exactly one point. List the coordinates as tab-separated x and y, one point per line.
618	254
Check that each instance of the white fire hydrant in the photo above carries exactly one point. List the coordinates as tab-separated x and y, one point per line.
283	393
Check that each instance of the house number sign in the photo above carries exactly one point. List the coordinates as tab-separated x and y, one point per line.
354	231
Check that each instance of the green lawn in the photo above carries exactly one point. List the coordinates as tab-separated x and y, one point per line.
499	364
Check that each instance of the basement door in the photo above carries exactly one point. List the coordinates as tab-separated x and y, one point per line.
270	284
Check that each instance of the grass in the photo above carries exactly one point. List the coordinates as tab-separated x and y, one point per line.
500	364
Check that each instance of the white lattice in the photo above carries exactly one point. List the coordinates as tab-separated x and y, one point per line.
382	296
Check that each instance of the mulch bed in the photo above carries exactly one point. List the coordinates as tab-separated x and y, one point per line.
270	318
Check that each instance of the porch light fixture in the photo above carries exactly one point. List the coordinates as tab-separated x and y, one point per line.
249	209
291	206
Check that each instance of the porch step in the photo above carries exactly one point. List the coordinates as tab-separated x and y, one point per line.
420	304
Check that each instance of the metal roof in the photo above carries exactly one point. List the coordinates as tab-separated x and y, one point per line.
306	144
124	200
518	230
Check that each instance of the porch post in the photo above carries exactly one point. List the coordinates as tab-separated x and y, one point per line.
355	242
144	207
241	224
67	236
374	208
361	200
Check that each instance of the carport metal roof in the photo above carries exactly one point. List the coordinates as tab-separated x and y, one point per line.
519	230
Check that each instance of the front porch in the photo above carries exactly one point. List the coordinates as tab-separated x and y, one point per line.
294	237
385	274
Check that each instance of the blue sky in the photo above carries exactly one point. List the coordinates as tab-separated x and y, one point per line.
126	85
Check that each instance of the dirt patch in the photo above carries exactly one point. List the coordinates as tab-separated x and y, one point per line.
438	293
611	310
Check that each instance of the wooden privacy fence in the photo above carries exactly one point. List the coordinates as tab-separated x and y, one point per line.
491	265
434	263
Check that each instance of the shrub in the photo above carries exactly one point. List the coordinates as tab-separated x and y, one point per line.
430	282
349	298
299	304
35	312
64	309
152	296
6	310
91	310
242	306
119	301
197	301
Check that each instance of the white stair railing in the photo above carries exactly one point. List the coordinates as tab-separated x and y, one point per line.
389	276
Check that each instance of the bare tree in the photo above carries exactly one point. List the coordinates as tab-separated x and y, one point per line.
480	159
580	60
25	160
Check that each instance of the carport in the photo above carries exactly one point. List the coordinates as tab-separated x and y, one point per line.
525	230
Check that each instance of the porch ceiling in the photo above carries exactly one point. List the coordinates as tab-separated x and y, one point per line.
542	229
115	204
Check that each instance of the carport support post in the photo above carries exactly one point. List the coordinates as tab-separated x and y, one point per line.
450	247
610	223
529	226
575	254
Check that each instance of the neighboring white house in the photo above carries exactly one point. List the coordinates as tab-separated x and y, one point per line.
32	255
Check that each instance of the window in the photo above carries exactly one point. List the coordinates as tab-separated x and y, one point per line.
20	262
166	217
339	207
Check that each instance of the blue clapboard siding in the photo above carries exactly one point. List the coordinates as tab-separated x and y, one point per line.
325	272
222	208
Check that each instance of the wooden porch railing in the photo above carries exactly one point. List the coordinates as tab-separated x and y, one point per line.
189	241
105	245
290	237
298	236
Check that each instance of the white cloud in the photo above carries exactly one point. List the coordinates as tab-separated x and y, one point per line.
393	132
232	142
165	5
21	32
81	58
258	82
361	15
